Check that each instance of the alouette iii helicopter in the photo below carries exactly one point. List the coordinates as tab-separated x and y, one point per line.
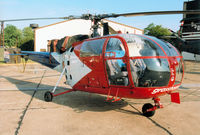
187	39
118	65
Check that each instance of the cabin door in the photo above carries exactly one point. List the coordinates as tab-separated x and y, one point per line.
115	62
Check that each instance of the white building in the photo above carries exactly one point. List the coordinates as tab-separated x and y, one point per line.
73	27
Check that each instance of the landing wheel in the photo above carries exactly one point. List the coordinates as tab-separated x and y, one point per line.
48	96
145	108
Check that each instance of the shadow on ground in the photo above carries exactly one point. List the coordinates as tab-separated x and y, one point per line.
79	101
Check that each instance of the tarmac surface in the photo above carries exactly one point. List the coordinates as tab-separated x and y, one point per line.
23	110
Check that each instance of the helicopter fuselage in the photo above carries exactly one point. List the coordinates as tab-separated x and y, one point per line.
121	65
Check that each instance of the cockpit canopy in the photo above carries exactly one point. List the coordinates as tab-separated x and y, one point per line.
144	60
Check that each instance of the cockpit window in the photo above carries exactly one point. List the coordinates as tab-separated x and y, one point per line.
140	46
115	48
117	72
169	49
92	48
150	72
179	71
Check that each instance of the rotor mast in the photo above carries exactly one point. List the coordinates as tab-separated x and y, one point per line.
95	28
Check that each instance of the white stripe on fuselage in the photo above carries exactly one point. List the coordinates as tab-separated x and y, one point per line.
76	69
59	58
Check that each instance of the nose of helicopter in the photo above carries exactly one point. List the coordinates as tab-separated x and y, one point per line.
153	62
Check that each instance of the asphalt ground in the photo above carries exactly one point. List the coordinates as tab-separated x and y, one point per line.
23	110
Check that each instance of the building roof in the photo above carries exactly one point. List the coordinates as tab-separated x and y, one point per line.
123	24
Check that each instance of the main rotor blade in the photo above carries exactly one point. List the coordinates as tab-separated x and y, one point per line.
102	16
156	13
47	18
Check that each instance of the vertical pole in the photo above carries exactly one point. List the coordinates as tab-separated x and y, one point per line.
3	32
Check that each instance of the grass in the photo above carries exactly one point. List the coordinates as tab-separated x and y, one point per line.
2	62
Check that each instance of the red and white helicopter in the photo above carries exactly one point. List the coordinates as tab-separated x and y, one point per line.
118	65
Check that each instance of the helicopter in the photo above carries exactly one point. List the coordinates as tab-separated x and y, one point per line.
117	65
187	38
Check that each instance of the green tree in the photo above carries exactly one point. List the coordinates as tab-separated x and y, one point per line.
12	36
27	43
156	30
28	34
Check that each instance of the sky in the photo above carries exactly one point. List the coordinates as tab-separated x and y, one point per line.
14	9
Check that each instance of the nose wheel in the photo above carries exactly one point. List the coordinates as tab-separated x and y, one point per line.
148	109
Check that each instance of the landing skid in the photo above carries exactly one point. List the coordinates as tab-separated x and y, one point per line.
113	99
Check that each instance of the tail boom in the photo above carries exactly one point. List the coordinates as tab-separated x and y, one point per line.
44	58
